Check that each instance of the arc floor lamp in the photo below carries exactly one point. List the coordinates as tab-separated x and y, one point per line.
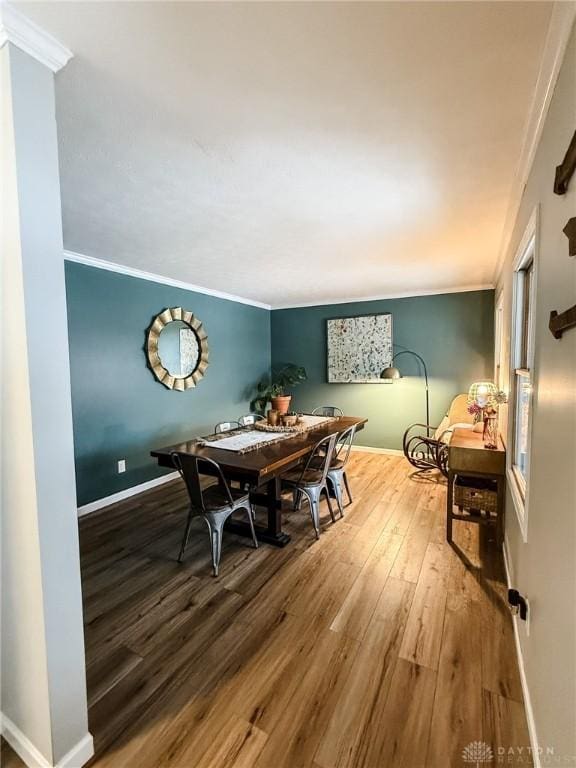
392	373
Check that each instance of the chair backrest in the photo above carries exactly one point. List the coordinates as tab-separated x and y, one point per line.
327	410
190	468
225	426
250	418
344	444
321	456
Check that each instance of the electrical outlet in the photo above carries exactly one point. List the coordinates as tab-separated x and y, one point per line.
121	466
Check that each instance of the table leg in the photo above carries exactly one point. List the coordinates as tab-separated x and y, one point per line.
272	533
449	506
274	506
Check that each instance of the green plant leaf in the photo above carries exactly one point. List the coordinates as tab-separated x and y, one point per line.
286	375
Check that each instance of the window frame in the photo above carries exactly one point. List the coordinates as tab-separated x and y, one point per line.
522	364
499	341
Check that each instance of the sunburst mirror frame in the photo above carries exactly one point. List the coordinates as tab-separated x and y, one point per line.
154	362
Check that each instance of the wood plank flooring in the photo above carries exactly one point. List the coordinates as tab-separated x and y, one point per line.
377	646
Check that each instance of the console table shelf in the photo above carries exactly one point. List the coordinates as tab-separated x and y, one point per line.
468	459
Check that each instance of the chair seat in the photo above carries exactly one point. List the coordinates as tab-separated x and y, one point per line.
311	476
215	497
336	464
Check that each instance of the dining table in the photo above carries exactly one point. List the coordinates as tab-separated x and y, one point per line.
260	469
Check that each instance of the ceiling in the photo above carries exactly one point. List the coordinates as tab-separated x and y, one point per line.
294	153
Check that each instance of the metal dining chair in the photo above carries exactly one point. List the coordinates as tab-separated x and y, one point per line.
327	410
226	426
214	504
337	470
249	419
310	479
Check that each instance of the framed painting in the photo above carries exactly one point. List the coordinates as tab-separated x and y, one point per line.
359	348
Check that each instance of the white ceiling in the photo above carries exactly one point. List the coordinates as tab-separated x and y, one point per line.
294	152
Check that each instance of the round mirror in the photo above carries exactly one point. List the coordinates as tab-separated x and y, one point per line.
177	348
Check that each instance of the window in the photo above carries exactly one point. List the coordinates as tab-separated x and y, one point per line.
522	385
522	371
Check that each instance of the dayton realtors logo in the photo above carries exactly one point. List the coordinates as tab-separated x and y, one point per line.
477	753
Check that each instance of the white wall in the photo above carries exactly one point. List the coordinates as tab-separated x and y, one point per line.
23	637
43	670
544	567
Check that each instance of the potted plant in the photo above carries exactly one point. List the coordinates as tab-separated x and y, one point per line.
273	389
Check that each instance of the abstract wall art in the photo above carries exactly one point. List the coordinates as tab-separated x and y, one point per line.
359	348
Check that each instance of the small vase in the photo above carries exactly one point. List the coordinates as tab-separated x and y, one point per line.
490	434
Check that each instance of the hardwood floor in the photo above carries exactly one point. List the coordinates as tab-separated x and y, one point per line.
377	646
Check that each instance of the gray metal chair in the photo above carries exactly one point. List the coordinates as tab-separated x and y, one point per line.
226	426
337	471
310	479
214	504
327	410
249	419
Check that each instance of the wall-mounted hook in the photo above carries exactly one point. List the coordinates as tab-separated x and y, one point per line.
518	604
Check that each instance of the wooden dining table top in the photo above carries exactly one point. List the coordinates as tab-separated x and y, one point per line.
264	461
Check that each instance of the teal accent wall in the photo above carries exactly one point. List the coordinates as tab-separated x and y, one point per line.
119	409
454	333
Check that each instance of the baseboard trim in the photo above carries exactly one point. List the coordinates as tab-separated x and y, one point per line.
534	745
507	562
93	506
106	501
79	754
21	744
370	449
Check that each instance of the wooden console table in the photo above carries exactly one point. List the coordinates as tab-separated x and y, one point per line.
467	458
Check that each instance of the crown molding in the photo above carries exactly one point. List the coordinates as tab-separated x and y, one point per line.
561	22
17	29
385	296
110	266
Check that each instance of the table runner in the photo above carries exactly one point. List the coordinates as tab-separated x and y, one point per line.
245	440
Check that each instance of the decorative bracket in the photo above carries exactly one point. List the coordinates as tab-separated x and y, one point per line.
565	171
570	232
562	322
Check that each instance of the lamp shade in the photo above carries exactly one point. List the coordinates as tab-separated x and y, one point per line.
391	373
480	392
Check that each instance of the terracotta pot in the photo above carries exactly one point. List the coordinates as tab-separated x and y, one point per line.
281	404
